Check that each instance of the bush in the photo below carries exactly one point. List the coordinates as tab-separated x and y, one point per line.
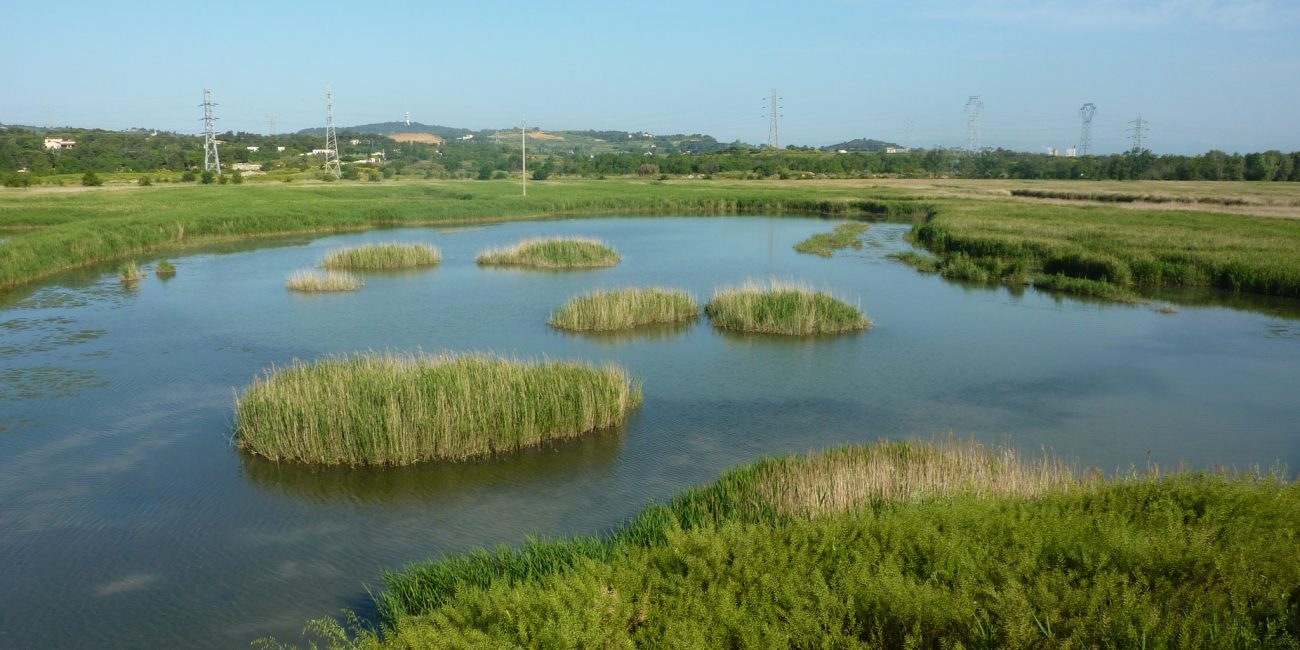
188	176
236	178
18	180
351	174
91	180
647	169
389	172
375	177
223	179
207	177
144	181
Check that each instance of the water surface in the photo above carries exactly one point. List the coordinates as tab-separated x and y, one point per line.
127	519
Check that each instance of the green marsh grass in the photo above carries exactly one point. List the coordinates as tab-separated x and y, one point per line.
552	253
393	408
312	281
129	273
825	244
918	544
1086	287
621	309
923	262
164	269
383	256
782	308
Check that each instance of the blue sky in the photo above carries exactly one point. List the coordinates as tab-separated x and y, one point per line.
1204	73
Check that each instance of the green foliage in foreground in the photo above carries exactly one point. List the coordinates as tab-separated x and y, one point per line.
404	408
625	309
552	253
976	559
779	308
1120	247
825	244
392	255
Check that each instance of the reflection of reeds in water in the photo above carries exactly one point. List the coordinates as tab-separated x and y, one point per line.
782	308
552	253
398	408
622	309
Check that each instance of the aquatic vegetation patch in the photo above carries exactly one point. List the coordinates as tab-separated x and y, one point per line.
782	308
398	408
928	544
923	262
552	253
383	256
311	281
1085	287
825	244
129	273
620	309
164	269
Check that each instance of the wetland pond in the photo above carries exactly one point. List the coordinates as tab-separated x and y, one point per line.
128	519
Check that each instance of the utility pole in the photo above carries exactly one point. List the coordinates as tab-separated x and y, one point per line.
907	134
523	148
271	119
1139	126
774	107
331	139
973	107
211	160
1085	134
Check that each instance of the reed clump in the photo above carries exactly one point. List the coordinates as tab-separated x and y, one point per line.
311	281
164	269
552	253
129	273
625	309
825	244
927	544
395	408
383	256
782	308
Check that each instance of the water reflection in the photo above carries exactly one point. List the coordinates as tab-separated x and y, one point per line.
433	482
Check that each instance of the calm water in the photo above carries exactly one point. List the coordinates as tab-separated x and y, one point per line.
127	519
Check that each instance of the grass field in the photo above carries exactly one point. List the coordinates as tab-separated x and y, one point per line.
782	308
1210	236
916	544
621	309
376	409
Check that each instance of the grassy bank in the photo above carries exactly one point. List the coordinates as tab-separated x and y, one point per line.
387	256
1126	248
625	309
825	244
552	253
311	281
404	408
782	308
888	545
48	231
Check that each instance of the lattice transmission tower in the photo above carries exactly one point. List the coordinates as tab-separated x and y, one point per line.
1085	133
773	119
1139	133
332	164
907	134
211	159
973	107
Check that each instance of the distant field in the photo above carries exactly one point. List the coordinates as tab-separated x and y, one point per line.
425	138
1179	242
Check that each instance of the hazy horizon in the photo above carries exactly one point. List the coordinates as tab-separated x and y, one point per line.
1204	74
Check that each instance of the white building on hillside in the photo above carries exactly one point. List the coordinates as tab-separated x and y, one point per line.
59	143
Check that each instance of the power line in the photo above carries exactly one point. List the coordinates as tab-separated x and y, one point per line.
1138	129
1085	133
973	107
331	139
774	107
211	159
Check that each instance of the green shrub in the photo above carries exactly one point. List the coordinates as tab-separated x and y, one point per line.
90	179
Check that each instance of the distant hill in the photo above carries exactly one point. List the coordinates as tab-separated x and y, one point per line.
861	144
390	128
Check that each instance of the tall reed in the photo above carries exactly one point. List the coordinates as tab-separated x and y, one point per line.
625	309
782	308
310	281
397	408
552	253
129	273
383	256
